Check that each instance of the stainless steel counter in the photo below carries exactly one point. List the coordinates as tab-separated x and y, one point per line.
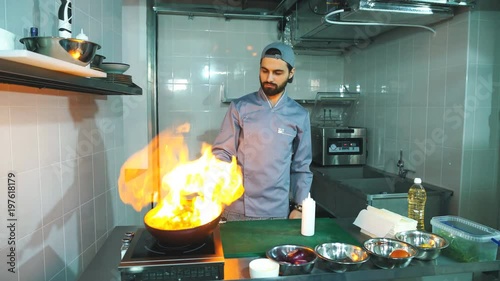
104	267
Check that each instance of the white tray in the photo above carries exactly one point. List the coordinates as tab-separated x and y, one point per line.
38	60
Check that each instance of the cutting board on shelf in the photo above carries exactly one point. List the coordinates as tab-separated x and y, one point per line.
254	238
42	61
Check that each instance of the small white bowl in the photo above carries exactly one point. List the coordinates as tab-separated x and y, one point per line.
264	268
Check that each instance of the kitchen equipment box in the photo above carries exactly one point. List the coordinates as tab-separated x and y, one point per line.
333	141
469	241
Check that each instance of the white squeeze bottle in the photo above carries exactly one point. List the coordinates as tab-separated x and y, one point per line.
308	216
82	36
416	203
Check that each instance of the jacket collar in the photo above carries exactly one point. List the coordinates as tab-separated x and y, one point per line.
266	99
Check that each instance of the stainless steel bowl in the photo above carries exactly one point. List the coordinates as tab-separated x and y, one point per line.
429	245
282	253
71	50
340	257
380	250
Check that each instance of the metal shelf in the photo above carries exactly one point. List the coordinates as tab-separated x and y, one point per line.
338	105
225	99
21	74
301	101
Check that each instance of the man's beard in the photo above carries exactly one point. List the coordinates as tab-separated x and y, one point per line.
272	91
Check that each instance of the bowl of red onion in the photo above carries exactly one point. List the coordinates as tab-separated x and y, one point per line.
293	259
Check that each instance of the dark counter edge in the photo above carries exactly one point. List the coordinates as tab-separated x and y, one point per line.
104	266
22	74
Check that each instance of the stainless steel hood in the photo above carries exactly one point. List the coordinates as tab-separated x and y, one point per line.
365	11
334	28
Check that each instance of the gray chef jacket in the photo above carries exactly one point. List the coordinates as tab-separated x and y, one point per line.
273	147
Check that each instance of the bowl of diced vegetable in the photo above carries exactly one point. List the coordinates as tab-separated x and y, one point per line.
389	253
293	259
429	245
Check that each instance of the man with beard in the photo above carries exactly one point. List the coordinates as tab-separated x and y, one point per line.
270	135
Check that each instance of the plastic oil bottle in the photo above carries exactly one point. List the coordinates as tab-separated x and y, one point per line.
416	203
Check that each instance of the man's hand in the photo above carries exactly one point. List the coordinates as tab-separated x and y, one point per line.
295	214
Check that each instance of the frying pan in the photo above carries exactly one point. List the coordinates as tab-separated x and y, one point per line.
183	236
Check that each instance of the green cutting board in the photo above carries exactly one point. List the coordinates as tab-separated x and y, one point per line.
255	238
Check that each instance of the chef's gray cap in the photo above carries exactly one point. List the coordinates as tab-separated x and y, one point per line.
285	50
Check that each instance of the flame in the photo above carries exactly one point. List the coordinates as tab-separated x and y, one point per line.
191	193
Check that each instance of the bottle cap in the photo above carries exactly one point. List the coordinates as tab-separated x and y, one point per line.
34	31
307	199
82	36
417	181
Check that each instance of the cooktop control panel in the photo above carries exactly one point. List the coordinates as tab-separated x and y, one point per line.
345	146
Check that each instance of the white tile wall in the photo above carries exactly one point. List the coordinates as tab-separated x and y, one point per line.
66	149
67	194
198	55
446	118
481	143
54	240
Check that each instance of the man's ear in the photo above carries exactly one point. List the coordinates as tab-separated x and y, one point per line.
292	72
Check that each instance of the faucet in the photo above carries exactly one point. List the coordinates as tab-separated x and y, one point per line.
401	165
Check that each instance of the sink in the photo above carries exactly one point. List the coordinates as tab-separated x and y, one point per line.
345	192
391	193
